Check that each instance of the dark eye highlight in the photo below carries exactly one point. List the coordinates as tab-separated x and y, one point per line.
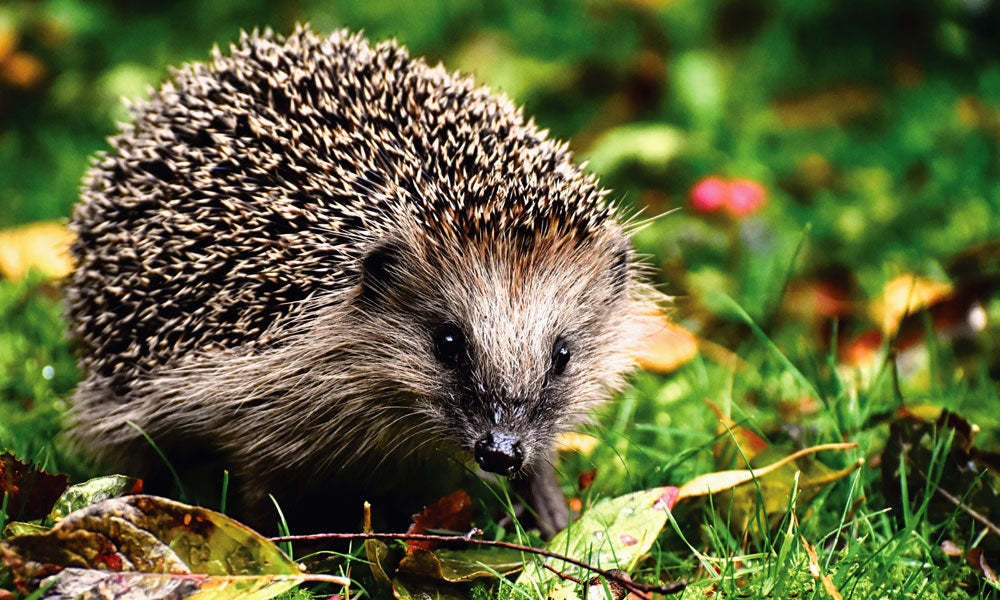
560	356
449	344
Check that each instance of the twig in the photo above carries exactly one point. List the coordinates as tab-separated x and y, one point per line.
969	511
632	586
562	575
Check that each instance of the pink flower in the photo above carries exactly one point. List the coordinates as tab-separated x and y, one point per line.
746	197
709	195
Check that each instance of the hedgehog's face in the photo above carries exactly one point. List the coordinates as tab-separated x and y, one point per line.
502	351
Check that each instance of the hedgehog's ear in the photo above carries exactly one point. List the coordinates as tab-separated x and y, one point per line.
380	268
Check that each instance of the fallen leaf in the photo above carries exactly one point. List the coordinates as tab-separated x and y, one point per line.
664	346
158	537
950	548
381	563
862	350
817	573
405	588
596	537
92	491
905	295
40	246
21	528
573	441
712	483
749	443
31	492
94	584
977	560
22	69
459	566
927	413
565	590
453	512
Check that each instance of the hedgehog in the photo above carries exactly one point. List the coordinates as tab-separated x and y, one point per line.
344	274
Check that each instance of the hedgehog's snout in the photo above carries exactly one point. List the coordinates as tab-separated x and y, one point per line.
499	452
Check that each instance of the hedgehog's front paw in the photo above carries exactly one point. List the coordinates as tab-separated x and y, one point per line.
540	489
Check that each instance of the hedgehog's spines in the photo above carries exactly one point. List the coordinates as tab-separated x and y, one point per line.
221	245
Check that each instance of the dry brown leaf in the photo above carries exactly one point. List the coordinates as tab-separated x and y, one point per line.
28	490
977	560
453	512
817	573
40	246
951	548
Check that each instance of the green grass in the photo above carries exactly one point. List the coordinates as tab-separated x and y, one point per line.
876	536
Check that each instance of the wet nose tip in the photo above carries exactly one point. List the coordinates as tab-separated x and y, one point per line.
499	452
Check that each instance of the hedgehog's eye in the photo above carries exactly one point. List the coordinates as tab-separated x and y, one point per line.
449	344
560	356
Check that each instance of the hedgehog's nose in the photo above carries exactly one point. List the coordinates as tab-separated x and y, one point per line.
499	453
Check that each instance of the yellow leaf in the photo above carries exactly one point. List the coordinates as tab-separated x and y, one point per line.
576	442
663	346
904	295
729	431
711	483
927	412
40	246
8	40
563	591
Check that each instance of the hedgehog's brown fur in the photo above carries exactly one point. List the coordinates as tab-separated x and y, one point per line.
262	256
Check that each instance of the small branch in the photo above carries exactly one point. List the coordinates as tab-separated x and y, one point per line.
969	511
632	586
562	575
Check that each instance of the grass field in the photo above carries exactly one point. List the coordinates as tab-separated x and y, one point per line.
822	182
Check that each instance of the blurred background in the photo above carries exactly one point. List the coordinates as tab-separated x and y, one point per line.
830	166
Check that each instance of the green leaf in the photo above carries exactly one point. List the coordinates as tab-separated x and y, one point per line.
653	145
381	563
90	492
21	528
462	565
414	589
613	534
701	87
